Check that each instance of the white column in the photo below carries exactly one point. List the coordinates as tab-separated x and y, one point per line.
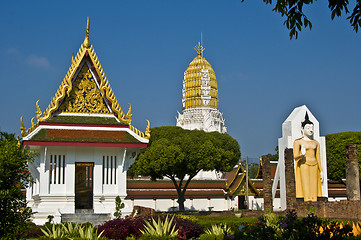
44	172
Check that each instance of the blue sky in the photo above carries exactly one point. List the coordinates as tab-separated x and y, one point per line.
145	46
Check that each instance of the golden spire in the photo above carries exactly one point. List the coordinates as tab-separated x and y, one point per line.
199	48
86	40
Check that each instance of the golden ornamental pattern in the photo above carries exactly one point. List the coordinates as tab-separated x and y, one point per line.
199	86
86	50
85	96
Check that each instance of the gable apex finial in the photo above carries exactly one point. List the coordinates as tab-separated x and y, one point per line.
86	40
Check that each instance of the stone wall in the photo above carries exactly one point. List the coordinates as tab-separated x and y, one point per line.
350	210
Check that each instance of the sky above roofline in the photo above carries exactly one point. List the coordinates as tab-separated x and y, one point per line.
145	46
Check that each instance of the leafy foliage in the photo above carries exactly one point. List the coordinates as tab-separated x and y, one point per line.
119	205
130	228
174	152
55	232
14	176
271	226
232	222
32	231
274	157
70	231
160	228
187	228
252	169
296	18
218	230
122	228
336	153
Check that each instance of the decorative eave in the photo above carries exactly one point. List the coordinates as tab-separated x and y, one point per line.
68	134
85	50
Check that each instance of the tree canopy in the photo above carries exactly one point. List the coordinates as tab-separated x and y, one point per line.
14	176
296	18
336	153
180	154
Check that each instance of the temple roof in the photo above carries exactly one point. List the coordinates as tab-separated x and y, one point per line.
84	97
236	182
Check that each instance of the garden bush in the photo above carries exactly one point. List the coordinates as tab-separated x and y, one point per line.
292	227
32	231
122	228
233	222
187	228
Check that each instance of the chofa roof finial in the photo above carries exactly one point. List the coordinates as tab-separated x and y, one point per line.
86	40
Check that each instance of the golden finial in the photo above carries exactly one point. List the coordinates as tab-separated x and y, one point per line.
129	113
32	122
22	128
199	48
86	40
147	131
72	58
38	111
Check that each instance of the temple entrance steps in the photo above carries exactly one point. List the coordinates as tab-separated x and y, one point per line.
86	215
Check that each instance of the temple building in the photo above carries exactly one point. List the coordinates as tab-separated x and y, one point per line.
84	143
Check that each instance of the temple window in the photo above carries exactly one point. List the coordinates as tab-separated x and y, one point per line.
57	169
109	169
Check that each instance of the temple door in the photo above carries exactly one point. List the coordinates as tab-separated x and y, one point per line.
84	185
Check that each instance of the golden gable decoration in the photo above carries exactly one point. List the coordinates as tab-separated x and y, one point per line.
85	94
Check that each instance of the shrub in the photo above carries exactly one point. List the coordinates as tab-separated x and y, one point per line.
70	231
32	231
119	205
233	222
14	175
187	228
292	227
312	227
160	228
210	237
218	230
122	228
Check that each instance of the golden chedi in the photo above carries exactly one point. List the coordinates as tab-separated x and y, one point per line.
200	97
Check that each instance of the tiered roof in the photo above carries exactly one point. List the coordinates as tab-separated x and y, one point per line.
236	183
84	108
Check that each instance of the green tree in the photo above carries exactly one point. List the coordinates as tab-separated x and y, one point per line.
336	153
14	176
252	168
274	157
180	154
296	18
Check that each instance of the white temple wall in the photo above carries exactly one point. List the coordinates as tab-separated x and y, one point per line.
196	204
54	190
